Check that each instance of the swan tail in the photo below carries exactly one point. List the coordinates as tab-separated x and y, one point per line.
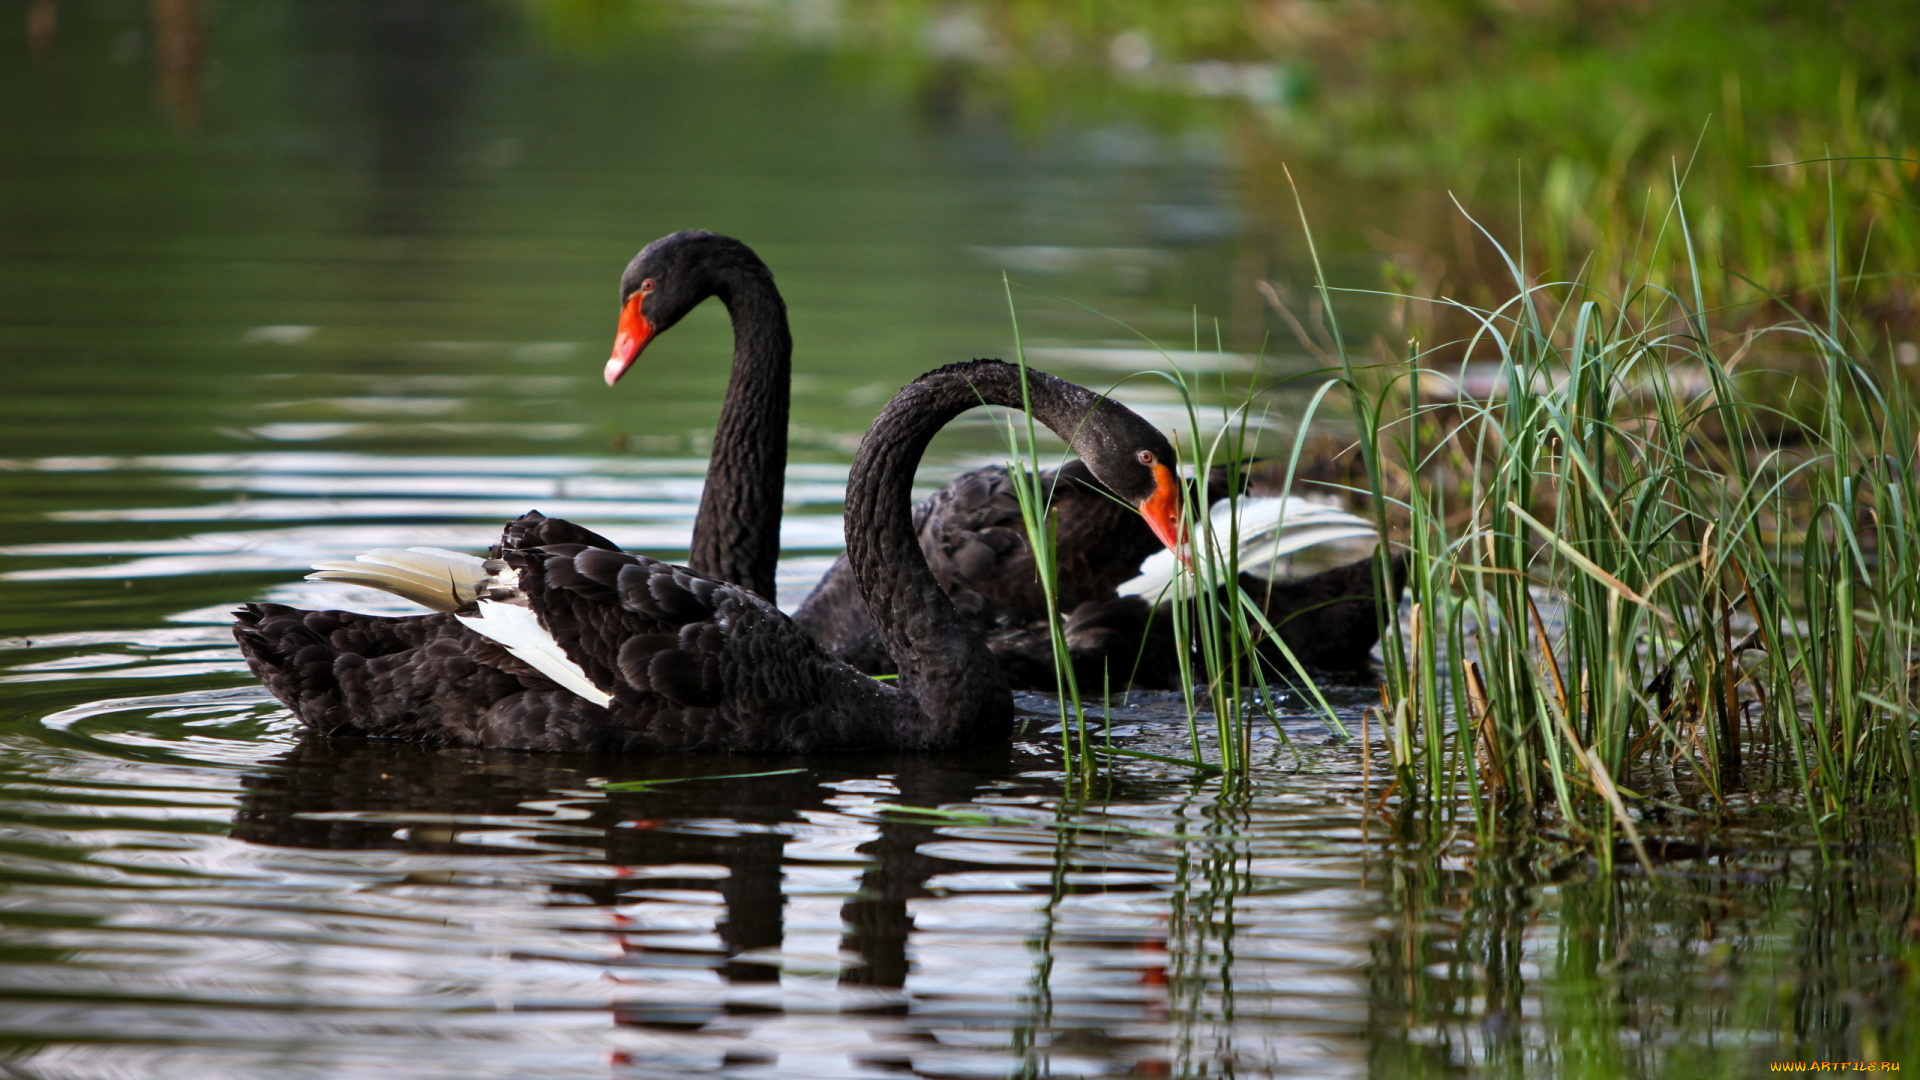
431	577
457	583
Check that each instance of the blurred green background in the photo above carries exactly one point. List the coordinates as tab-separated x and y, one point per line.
176	175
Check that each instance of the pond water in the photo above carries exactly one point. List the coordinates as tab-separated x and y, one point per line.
281	282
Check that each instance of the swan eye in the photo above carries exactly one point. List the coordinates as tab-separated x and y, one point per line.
646	286
1146	457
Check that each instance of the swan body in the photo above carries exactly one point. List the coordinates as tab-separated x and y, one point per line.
1113	574
973	537
686	661
687	657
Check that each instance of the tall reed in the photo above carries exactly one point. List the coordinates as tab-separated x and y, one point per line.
1647	572
1650	569
1023	468
1214	623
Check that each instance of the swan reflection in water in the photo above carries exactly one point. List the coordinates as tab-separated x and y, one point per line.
714	910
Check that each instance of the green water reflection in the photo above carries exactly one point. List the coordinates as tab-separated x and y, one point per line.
443	200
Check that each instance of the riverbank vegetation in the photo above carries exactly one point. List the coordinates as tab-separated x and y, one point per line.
1652	575
1727	552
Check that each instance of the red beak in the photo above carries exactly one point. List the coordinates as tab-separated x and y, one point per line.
635	331
1162	511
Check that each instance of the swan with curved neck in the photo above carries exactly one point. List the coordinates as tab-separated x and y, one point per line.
970	529
736	531
669	659
736	535
943	660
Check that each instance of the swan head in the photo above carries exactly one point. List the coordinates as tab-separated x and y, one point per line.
1135	461
669	278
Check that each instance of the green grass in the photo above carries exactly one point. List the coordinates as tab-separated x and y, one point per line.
1654	572
1650	709
1596	118
1725	557
1214	622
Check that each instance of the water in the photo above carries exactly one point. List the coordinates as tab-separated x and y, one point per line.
345	280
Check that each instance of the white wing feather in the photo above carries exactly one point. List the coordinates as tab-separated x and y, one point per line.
520	631
449	580
1272	528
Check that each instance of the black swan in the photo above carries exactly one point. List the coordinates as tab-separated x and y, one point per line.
736	536
970	530
592	649
1116	632
736	532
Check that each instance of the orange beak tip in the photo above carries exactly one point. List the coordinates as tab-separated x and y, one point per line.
632	336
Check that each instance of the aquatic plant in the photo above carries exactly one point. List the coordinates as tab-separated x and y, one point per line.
1648	572
1652	568
1218	630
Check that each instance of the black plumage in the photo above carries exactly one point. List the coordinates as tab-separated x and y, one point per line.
691	662
973	537
975	540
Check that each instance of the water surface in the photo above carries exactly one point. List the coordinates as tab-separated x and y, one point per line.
341	275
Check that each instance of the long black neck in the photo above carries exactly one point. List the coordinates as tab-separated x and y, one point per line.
736	536
943	663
